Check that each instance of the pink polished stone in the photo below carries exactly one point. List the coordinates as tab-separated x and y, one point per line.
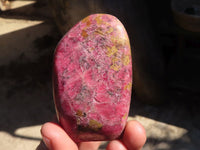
93	79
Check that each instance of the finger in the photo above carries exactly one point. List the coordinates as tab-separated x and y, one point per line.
56	138
116	145
89	145
134	136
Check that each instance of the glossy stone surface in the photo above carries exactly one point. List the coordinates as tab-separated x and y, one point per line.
93	79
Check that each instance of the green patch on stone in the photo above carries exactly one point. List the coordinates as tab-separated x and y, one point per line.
95	125
80	113
125	115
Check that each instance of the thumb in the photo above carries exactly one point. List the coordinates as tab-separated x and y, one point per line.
55	138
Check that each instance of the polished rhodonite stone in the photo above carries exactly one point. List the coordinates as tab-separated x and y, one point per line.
93	79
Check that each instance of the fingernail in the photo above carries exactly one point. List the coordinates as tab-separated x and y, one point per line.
47	142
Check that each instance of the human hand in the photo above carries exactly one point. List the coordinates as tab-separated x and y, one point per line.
55	138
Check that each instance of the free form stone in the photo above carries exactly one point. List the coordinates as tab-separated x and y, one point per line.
92	77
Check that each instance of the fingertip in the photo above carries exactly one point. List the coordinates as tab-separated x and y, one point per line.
116	145
134	135
56	138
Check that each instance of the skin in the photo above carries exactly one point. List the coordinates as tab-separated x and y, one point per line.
55	138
